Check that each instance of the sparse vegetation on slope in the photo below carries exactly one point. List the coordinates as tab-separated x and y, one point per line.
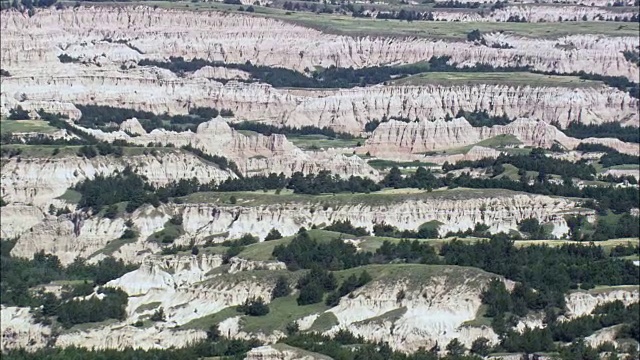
19	275
332	77
267	129
606	130
108	118
333	270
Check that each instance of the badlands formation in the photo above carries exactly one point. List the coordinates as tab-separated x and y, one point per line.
202	278
119	35
39	181
78	234
535	14
254	154
347	110
394	139
599	3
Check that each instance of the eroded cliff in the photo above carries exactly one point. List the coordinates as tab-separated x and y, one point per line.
39	180
348	110
394	139
254	154
107	34
537	13
73	235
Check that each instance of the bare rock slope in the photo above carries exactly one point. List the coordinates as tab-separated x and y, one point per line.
537	13
73	235
254	154
159	33
159	91
394	139
38	181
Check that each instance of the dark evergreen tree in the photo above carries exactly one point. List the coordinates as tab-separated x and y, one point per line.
281	289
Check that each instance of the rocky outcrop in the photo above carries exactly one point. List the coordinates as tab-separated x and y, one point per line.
132	127
233	328
15	219
536	14
106	34
394	138
433	309
438	301
19	330
623	172
218	72
80	235
254	154
74	235
598	3
348	110
282	352
157	273
475	153
574	46
501	210
605	335
126	336
190	292
39	180
238	264
583	303
8	102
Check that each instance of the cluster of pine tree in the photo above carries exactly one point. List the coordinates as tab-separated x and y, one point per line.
19	274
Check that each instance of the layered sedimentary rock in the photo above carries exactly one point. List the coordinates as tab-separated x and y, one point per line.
573	47
599	3
106	34
282	352
161	91
623	172
583	303
435	305
73	235
186	293
39	180
124	336
218	72
19	330
536	14
475	153
254	154
395	138
437	301
8	102
18	218
431	313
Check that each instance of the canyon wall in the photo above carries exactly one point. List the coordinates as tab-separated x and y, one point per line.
109	41
432	311
19	330
73	235
587	3
347	110
437	305
109	34
40	180
581	303
395	139
254	154
157	33
535	14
